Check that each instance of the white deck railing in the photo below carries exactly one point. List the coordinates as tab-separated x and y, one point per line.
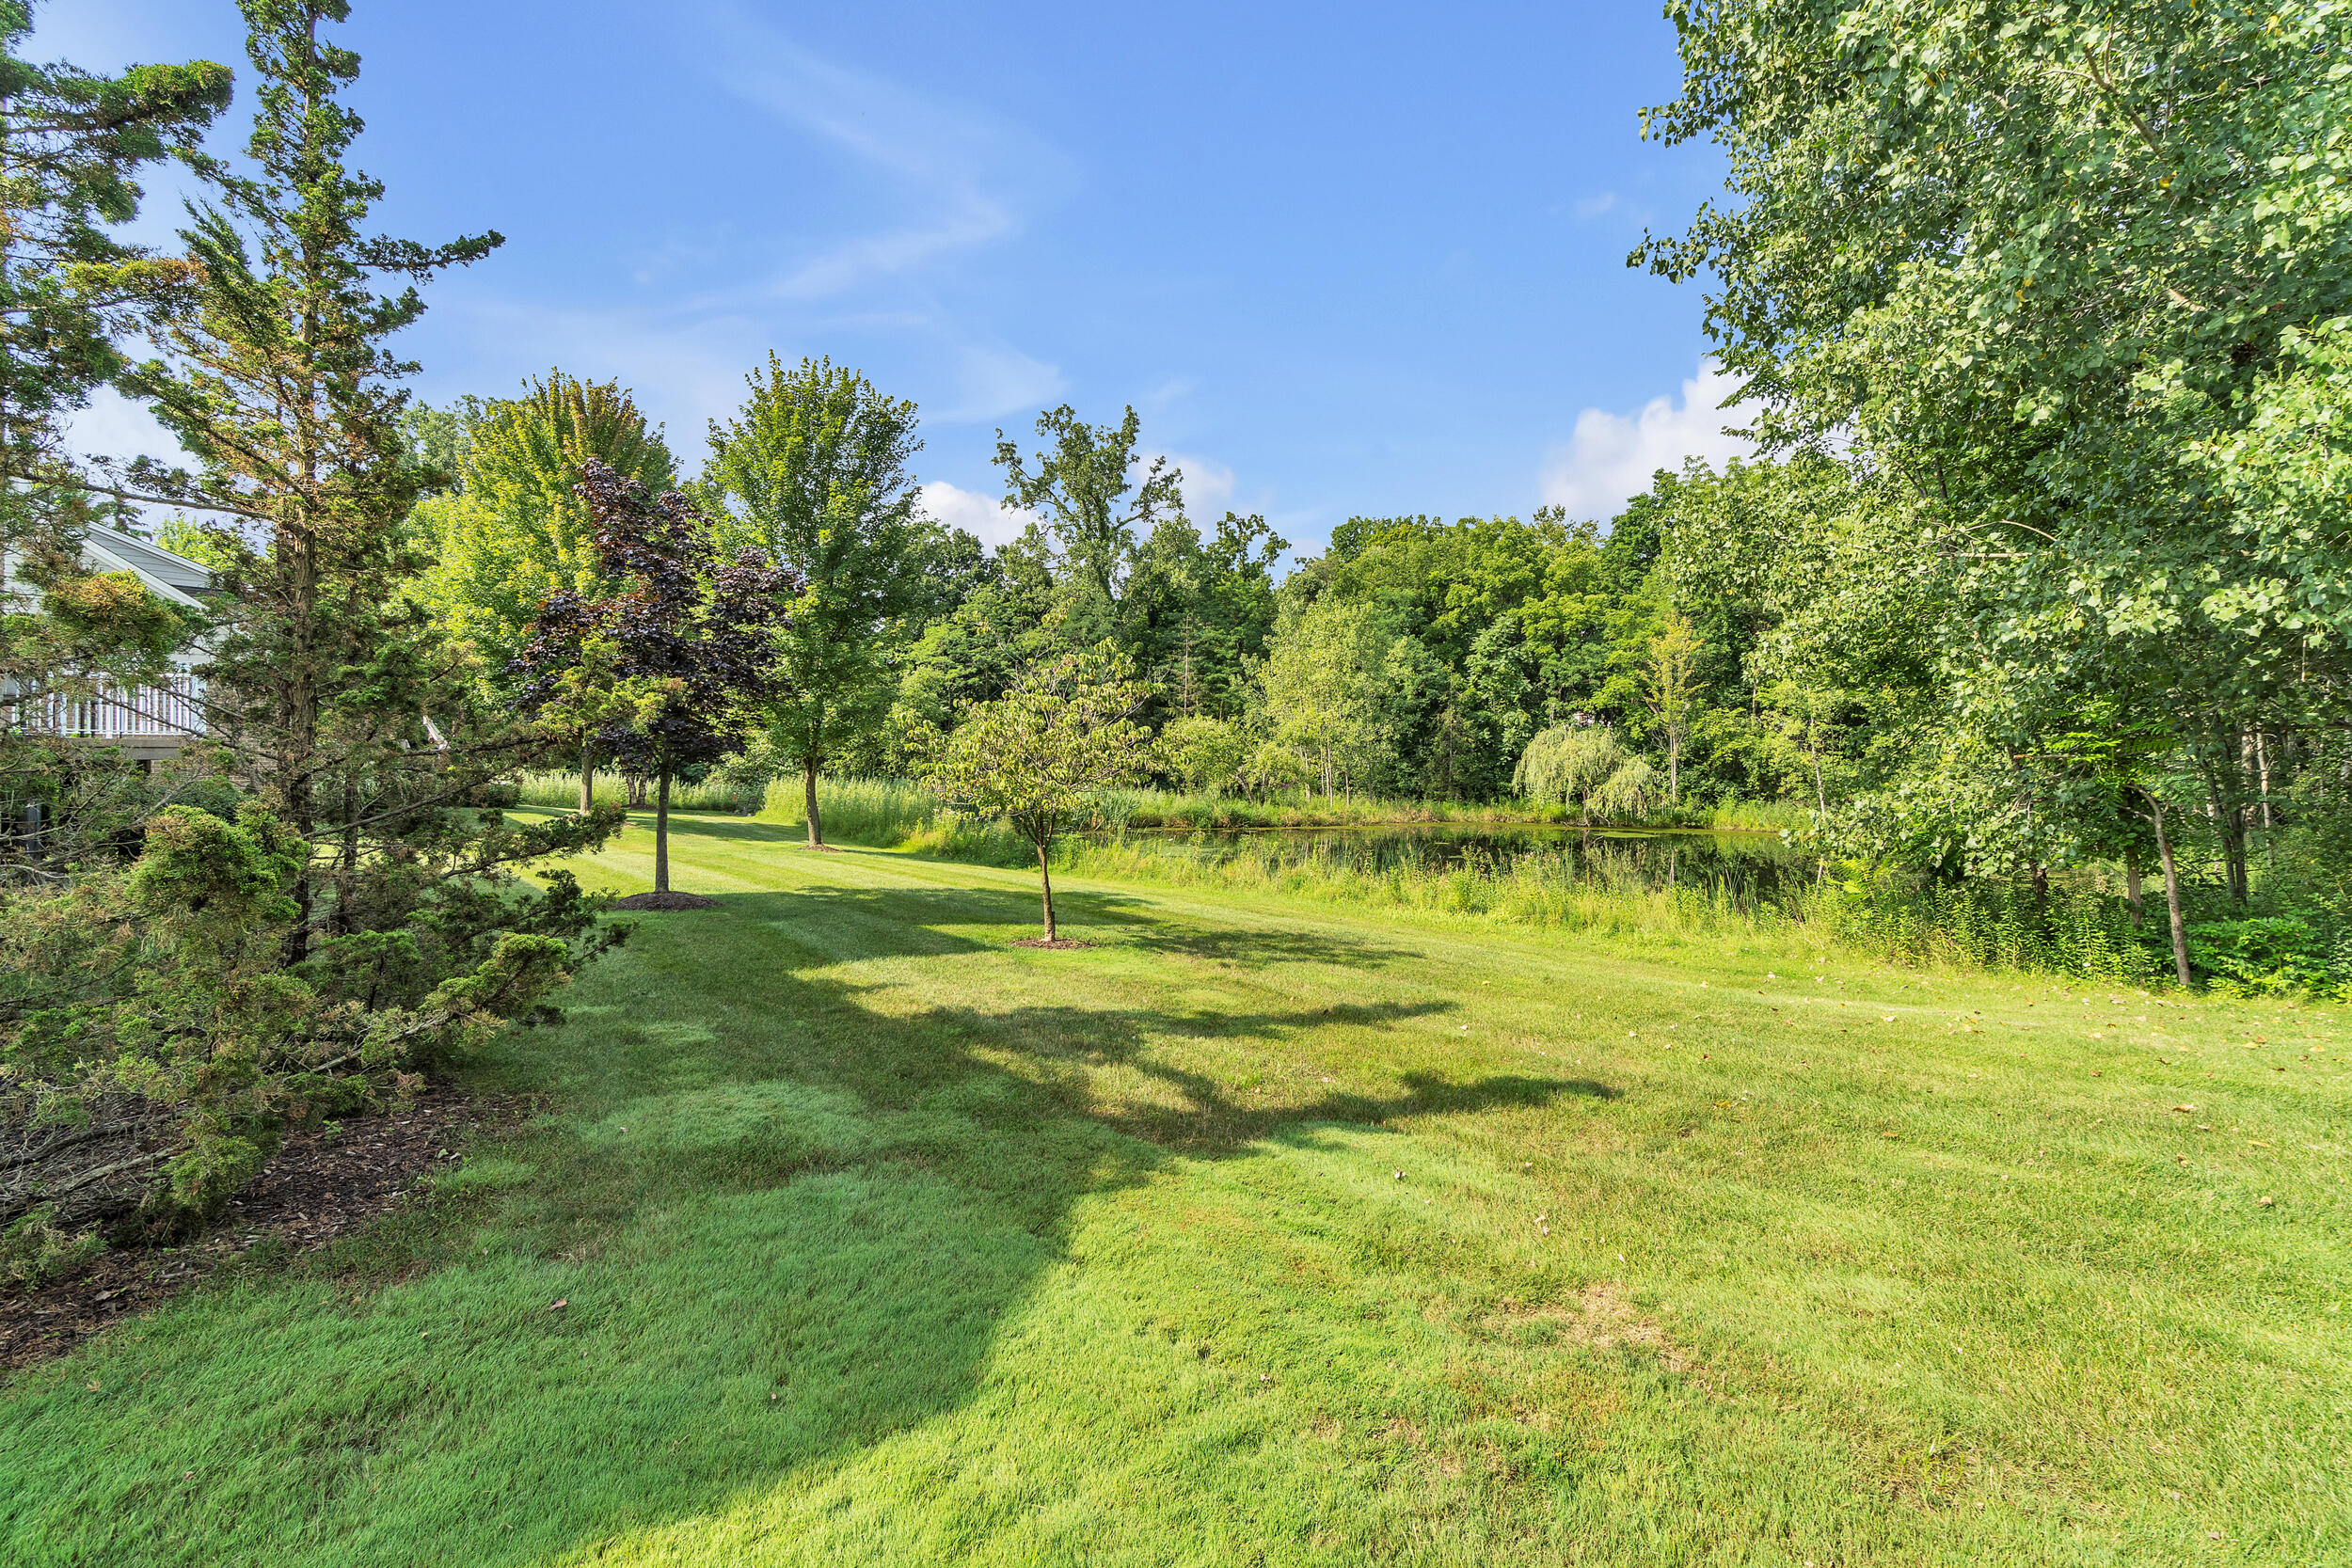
171	707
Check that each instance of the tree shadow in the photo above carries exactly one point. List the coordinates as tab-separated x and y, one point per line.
787	1217
909	921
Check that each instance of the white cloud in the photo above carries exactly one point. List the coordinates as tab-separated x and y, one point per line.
1208	487
1593	206
985	516
1610	457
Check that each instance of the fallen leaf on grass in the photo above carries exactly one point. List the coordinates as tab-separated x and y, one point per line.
564	1302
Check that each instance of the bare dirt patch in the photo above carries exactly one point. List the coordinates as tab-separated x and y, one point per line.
1057	944
1603	1319
317	1187
664	901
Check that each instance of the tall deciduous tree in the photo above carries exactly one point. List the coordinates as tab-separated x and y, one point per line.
2079	280
1320	681
1097	510
1041	753
512	531
814	470
1670	690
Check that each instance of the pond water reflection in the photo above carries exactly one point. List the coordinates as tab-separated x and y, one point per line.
1742	868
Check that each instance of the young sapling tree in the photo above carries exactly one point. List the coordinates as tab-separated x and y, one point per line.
1042	752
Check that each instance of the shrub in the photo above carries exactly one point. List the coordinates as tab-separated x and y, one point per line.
2268	955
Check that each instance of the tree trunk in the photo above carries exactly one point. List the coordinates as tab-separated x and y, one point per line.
2234	851
808	790
587	779
1674	768
2172	890
2262	773
2131	888
661	836
347	873
1045	882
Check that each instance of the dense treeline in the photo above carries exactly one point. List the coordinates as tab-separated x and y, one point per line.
2039	591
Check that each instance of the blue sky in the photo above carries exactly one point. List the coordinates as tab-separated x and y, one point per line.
1344	261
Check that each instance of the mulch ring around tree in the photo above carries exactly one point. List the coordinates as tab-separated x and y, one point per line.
664	901
312	1192
1057	943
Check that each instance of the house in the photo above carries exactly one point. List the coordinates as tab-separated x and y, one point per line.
149	722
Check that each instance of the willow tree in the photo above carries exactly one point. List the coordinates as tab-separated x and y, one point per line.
511	530
814	470
1571	764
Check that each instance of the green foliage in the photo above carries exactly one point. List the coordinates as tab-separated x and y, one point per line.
2068	287
814	470
1571	764
34	1250
1206	754
2279	955
174	989
1041	756
540	787
511	530
1999	924
71	144
1095	515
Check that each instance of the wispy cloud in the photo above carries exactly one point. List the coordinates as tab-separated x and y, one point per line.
1590	207
1609	457
960	179
686	369
993	380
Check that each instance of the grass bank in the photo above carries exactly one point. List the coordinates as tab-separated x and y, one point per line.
1270	1230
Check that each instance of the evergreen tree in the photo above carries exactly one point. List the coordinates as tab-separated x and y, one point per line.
71	142
357	916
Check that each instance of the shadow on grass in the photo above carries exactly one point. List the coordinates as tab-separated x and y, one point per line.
786	1224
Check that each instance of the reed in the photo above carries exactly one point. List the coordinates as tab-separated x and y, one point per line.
561	789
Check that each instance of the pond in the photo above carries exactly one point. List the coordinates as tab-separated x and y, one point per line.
1742	868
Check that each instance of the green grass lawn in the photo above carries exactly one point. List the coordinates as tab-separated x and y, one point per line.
1266	1232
